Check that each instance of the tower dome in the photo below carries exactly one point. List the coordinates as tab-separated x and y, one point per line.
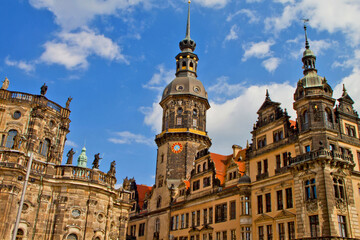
82	159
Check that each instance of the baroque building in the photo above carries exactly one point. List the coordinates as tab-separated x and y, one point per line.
61	201
297	179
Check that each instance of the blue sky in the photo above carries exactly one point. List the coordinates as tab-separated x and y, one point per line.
114	57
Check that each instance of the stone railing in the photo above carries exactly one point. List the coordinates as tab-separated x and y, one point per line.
66	172
327	238
36	99
321	153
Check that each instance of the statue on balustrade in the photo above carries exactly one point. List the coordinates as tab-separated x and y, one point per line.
70	155
51	154
96	161
43	89
112	170
5	84
68	102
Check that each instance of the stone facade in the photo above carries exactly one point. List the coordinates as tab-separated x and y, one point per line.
297	179
61	201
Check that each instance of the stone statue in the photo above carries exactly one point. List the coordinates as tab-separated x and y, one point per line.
68	102
70	155
43	89
112	170
17	140
126	184
51	154
96	161
5	84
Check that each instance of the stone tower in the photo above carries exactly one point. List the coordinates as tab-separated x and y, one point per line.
324	161
184	102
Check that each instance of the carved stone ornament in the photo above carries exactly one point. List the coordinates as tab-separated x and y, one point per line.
311	205
341	205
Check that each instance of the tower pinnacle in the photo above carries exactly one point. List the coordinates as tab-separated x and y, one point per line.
307	45
187	44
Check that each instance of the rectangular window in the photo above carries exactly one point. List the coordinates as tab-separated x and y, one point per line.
194	122
278	161
187	220
182	221
193	218
268	202
291	230
307	148
232	210
285	159
310	189
221	213
342	226
218	236
196	185
206	182
269	232
133	230
204	236
233	234
177	222
210	215
198	218
172	223
279	196
178	120
314	225
259	170
358	157
261	233
205	216
281	231
260	204
224	235
265	166
289	198
141	229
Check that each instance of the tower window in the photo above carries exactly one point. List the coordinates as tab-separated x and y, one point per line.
177	66
10	139
180	110
310	189
178	121
195	112
183	65
191	66
158	202
44	147
195	122
339	188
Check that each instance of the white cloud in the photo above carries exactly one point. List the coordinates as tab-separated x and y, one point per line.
129	138
27	67
212	3
284	1
249	13
271	64
70	143
73	49
160	79
253	1
327	15
223	89
258	50
232	34
71	14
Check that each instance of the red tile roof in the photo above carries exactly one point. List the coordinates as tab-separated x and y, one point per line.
142	190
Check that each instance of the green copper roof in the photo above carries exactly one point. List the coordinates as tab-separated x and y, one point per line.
82	159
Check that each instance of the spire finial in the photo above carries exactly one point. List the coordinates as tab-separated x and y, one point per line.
344	89
267	94
188	23
307	46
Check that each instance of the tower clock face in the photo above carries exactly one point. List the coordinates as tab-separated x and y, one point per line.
176	147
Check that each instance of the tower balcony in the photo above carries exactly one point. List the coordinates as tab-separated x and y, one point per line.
322	154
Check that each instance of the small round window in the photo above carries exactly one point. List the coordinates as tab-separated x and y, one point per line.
196	89
17	115
100	217
76	213
25	207
179	88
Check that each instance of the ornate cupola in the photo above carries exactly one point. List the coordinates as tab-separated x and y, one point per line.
309	57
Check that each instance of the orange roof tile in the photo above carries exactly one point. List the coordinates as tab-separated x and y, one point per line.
142	190
292	123
187	184
220	162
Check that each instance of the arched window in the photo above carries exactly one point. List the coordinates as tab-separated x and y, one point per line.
183	65
199	168
306	117
328	116
158	202
10	139
177	66
195	112
204	166
20	234
179	111
44	147
72	237
191	66
157	225
97	238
